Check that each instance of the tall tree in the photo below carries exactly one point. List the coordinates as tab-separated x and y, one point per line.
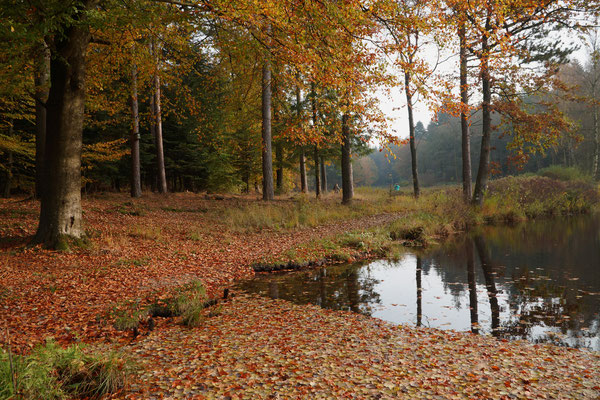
464	118
60	214
42	72
136	180
267	152
593	83
161	175
347	179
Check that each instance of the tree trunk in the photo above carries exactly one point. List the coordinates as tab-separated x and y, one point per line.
267	152
317	174
303	177
347	179
9	174
486	130
316	152
596	168
279	172
464	119
323	176
411	133
160	156
60	214
42	73
136	180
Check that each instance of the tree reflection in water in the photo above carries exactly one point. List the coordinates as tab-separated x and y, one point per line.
472	286
538	285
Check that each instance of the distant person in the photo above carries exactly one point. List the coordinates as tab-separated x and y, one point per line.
336	188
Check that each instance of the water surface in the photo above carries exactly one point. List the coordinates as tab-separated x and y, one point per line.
538	281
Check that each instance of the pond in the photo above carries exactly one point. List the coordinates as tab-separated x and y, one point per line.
538	281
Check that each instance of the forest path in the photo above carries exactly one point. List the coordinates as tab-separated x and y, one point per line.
139	248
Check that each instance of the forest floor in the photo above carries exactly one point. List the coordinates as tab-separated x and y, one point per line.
249	347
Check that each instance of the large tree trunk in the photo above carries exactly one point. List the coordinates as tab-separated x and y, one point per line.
136	180
323	176
42	73
486	129
60	214
347	179
160	155
411	133
464	119
267	152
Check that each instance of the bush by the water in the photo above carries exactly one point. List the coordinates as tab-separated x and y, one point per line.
514	198
53	372
561	173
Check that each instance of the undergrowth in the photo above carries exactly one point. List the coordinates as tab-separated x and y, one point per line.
53	372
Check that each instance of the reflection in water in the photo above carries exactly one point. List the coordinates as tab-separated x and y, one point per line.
539	282
488	273
472	287
419	292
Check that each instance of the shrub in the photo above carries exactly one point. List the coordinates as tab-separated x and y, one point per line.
561	173
189	302
53	372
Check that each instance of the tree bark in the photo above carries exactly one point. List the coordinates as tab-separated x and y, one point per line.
464	119
136	180
323	176
42	74
160	156
279	172
303	177
9	173
317	173
411	133
316	151
596	168
347	179
267	152
60	213
486	130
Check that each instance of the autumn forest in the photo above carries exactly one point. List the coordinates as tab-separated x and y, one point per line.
209	199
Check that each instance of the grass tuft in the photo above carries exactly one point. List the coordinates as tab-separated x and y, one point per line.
53	372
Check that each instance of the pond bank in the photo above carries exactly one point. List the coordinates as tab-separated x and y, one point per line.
146	247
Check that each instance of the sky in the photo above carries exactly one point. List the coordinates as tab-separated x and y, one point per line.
394	105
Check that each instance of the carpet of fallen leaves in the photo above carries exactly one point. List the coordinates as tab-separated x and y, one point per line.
138	247
262	348
253	347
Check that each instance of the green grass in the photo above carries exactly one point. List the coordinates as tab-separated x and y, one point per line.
187	301
303	211
560	173
53	372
